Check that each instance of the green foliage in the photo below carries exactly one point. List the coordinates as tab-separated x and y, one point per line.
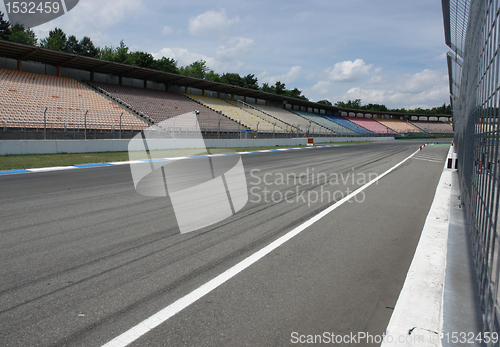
325	102
349	104
233	79
166	64
121	53
87	47
141	59
21	35
213	76
375	107
266	88
198	69
279	88
72	45
106	53
356	104
295	93
56	40
4	28
250	81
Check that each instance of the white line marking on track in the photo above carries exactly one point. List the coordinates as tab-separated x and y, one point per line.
163	315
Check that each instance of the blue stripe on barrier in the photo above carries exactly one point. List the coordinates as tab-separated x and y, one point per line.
11	172
81	166
92	165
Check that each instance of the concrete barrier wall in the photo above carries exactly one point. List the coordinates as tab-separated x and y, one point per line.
19	147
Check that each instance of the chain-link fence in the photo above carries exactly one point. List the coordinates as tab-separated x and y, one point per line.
475	115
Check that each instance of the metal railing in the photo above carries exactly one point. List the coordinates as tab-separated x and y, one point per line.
475	115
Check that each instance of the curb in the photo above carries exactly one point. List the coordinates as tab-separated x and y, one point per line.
418	315
84	166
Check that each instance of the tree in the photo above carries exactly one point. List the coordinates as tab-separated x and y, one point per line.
294	93
121	53
198	69
349	104
213	76
106	53
4	28
250	81
233	79
87	47
166	64
21	35
72	45
141	59
56	40
267	88
325	102
279	88
375	107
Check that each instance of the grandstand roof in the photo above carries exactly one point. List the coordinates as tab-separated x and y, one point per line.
19	51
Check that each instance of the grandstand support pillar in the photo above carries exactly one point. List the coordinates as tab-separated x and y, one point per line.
244	99
145	84
120	80
203	92
186	89
92	76
58	70
218	94
19	65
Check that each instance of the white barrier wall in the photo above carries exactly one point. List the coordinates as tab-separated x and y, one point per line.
20	147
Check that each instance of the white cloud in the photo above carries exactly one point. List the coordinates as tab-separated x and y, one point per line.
211	22
304	15
184	57
291	76
237	46
92	15
420	81
348	71
424	96
322	87
167	30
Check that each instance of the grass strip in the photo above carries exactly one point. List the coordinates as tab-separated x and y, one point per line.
32	161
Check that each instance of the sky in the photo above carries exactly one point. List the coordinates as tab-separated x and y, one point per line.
389	52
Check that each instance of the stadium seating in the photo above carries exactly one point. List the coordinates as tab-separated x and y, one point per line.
160	105
347	124
291	118
237	114
370	125
434	127
339	129
24	97
256	111
399	126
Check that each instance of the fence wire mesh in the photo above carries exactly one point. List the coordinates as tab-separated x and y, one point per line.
475	116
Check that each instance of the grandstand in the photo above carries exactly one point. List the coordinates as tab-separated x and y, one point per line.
159	105
237	114
399	126
29	99
370	124
256	111
317	119
433	127
347	124
293	119
135	108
